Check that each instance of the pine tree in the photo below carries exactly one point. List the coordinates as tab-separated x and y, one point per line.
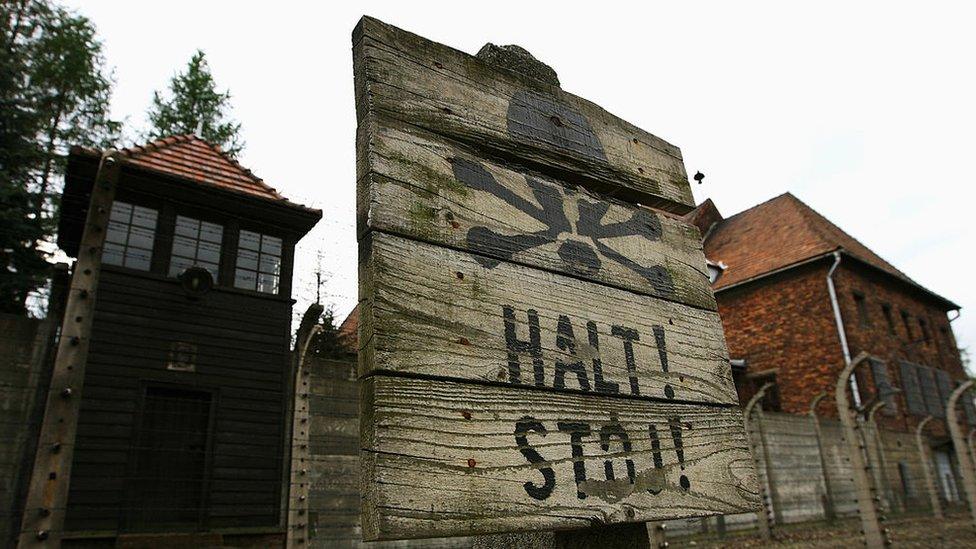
54	92
193	105
328	343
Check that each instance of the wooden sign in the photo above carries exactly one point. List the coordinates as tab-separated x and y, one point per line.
539	349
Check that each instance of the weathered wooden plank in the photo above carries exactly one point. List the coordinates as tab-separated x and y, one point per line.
457	95
421	186
440	312
446	458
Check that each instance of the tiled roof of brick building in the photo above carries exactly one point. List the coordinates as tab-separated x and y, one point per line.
777	234
349	331
190	157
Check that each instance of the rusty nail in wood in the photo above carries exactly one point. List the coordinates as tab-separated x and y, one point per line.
466	414
464	341
471	462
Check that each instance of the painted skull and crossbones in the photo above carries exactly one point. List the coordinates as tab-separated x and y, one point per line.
579	243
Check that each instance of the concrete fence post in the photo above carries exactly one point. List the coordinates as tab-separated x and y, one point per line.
763	518
926	461
298	479
965	464
828	503
47	494
971	438
657	532
874	535
886	490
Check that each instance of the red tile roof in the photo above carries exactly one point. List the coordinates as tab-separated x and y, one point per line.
191	157
349	331
777	234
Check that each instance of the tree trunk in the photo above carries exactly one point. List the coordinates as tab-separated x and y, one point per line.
48	160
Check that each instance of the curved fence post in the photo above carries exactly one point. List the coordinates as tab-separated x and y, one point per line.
764	518
965	464
923	457
874	536
298	486
886	489
828	503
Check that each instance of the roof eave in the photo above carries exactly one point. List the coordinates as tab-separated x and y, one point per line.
84	151
946	304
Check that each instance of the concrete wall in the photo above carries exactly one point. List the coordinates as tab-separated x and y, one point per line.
24	360
795	479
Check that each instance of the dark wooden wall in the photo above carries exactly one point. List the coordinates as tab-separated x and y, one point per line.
242	342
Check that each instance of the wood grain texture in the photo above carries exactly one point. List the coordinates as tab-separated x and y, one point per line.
436	311
429	85
446	458
420	186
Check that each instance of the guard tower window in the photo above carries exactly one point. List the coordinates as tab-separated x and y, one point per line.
258	262
130	236
195	244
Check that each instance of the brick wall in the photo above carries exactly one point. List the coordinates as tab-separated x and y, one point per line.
785	323
868	329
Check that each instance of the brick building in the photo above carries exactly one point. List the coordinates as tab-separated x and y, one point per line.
772	268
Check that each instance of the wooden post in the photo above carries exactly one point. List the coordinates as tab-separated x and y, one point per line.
965	464
298	485
829	512
924	458
874	536
763	517
47	493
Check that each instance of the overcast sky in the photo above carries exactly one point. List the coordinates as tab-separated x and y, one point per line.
864	111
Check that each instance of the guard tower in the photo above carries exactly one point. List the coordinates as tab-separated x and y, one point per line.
183	421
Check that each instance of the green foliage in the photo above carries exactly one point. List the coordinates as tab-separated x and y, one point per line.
328	343
54	92
194	106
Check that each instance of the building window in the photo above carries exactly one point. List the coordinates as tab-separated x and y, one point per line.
908	325
130	236
890	320
945	337
862	310
258	262
195	244
926	336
